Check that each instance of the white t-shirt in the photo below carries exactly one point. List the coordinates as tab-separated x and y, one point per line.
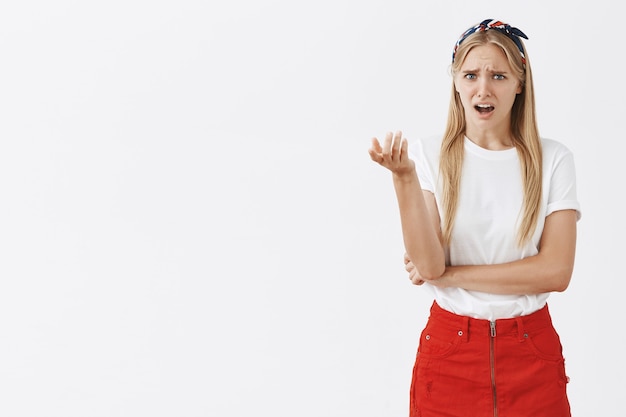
486	225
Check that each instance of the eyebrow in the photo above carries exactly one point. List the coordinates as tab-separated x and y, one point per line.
494	71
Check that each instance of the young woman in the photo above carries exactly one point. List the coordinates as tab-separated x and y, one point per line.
488	214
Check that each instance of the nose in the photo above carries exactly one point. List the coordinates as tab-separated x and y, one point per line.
483	88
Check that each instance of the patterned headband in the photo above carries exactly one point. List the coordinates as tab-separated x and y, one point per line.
513	33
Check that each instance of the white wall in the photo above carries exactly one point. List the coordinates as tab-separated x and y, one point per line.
190	223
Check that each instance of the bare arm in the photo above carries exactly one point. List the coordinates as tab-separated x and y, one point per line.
550	270
418	213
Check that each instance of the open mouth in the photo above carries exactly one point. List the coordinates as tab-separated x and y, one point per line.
484	108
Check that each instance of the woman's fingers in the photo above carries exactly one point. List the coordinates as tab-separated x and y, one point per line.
376	145
391	148
404	150
387	147
395	147
375	151
392	153
414	277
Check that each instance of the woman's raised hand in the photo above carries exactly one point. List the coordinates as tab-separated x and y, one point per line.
393	154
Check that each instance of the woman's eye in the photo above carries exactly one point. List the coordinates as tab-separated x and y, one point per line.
498	77
470	76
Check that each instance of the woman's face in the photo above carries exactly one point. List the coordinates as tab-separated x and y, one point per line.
487	87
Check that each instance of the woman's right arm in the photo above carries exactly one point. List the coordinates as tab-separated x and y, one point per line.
418	211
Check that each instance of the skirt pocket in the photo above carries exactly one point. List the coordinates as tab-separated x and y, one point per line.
545	343
438	341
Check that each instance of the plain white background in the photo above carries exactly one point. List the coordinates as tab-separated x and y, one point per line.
190	224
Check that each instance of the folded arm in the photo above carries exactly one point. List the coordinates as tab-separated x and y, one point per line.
550	270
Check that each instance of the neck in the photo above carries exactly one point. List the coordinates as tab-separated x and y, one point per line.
489	139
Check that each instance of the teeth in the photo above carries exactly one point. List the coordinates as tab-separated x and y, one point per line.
484	106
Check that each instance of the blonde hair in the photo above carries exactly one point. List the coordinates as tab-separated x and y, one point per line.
524	132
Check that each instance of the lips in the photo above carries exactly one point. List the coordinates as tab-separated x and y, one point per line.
484	108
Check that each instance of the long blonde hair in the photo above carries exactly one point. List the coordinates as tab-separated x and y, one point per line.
524	132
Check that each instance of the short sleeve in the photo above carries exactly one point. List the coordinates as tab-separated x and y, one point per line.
425	154
562	181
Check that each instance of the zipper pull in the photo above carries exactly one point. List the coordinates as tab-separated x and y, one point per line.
492	325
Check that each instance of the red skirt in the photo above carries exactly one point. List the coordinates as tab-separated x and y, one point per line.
468	367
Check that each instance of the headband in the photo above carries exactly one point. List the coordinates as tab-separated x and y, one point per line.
513	33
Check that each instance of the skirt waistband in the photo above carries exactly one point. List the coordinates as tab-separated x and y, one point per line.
511	326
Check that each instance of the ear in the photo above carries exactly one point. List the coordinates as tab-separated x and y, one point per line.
519	88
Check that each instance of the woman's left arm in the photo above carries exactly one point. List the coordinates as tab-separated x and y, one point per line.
550	270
